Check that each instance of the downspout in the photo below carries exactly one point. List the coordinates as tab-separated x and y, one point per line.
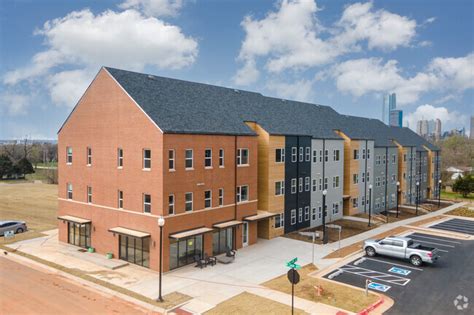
324	170
365	177
386	179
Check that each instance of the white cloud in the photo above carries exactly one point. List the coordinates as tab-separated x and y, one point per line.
362	76
291	37
67	87
14	104
448	119
247	74
299	90
154	7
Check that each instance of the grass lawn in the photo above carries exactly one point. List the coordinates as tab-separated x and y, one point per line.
247	303
334	294
34	203
456	196
462	212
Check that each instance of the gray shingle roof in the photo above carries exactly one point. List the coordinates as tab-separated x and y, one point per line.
362	128
407	137
178	106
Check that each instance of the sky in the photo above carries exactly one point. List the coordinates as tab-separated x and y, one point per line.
344	54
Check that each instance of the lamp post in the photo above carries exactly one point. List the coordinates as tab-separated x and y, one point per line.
417	196
398	193
325	237
370	202
161	223
439	193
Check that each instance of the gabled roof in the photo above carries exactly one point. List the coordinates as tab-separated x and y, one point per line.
178	106
407	137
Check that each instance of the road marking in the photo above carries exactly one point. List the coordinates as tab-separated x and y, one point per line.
452	229
442	250
378	275
390	263
460	225
379	287
433	243
400	271
434	238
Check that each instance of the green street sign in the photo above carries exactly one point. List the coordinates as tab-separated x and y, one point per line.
292	264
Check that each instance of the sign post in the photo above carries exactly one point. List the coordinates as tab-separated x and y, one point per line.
294	278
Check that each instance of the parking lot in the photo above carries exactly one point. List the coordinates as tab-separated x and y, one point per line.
456	225
428	289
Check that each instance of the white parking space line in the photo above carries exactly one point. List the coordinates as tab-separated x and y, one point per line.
429	242
390	263
434	238
442	250
455	229
380	276
465	226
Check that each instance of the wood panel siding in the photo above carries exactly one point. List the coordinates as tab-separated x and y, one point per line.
351	167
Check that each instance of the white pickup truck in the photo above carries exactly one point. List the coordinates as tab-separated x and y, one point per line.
401	247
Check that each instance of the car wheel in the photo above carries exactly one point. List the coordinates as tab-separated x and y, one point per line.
416	260
370	251
19	230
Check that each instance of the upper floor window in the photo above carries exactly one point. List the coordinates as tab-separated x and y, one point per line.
89	156
315	185
404	157
377	160
355	202
89	194
325	183
308	154
69	155
293	185
146	159
208	158
280	155
315	156
188	201
279	220
221	197
356	154
171	159
368	154
69	191
301	154
188	159
279	188
320	155
355	178
363	154
368	176
300	184
120	157
207	199
363	177
306	213
326	155
242	156
294	154
384	159
307	183
335	182
171	204
221	157
293	217
120	199
242	193
336	155
146	203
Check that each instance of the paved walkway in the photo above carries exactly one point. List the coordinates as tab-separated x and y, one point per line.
212	285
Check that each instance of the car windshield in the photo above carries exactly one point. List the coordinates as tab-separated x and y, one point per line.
410	242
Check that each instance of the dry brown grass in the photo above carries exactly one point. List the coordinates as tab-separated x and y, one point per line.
34	203
462	212
335	294
247	303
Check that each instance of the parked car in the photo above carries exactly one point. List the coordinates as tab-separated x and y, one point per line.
402	247
15	226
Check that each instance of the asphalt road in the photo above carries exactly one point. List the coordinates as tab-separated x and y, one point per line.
429	289
25	290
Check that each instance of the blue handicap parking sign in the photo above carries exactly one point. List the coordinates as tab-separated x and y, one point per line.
399	271
379	287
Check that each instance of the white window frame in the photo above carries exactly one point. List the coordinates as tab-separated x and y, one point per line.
335	182
301	154
221	197
188	202
308	154
294	154
89	194
171	203
355	178
187	159
293	186
300	184
120	199
315	156
119	158
69	190
208	199
336	155
307	183
326	182
280	188
171	160
293	216
207	158
145	159
279	221
145	203
313	213
240	157
88	156
315	185
306	213
239	193
221	158
280	155
68	155
300	215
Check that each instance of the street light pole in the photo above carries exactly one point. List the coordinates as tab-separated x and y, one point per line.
161	223
370	203
417	196
439	193
325	237
398	193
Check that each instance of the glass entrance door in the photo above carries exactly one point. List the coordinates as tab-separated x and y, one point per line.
79	234
135	250
245	234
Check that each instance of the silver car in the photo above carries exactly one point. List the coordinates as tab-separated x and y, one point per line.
15	226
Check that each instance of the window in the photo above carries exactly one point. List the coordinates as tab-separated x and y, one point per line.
135	250
120	157
146	203
363	177
384	159
306	213
207	199
221	197
301	149
377	182
242	193
280	155
377	160
404	157
300	215
221	157
300	184
306	183
89	194
356	154
320	184
308	154
368	177
146	159
320	155
120	199
208	158
363	154
171	160
335	182
293	185
368	154
313	214
336	155
314	185
315	156
188	201
279	221
69	155
363	200
293	154
89	156
69	191
242	156
355	178
335	208
171	204
320	212
325	183
355	202
326	155
188	159
279	188
293	217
